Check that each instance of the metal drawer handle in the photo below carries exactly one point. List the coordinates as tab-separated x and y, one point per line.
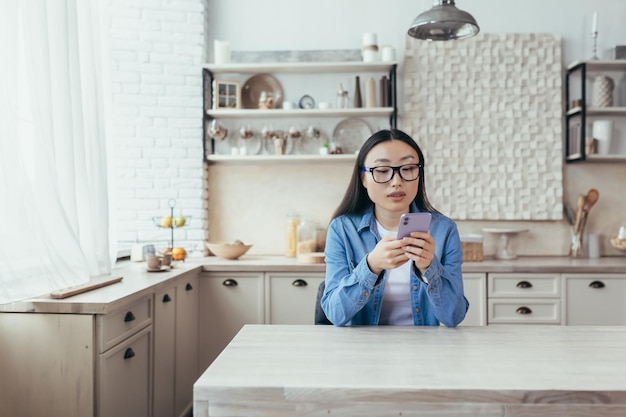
129	317
230	283
299	283
188	287
597	284
167	298
523	310
524	284
129	353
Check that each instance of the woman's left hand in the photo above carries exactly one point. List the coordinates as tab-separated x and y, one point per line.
420	248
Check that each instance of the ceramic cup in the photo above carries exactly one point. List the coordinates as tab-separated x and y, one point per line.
166	259
153	262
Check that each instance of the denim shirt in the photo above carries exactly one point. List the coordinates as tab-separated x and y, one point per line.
354	294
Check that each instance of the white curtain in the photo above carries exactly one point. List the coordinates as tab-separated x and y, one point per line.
54	227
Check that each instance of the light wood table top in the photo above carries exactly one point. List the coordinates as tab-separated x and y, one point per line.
508	371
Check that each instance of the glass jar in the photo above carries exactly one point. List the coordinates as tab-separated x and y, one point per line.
342	98
292	235
306	237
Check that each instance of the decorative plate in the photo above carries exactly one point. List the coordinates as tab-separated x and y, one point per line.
349	134
255	85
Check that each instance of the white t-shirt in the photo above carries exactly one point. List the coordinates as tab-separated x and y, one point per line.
396	308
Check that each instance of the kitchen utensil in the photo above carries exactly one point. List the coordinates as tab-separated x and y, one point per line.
579	211
570	214
256	85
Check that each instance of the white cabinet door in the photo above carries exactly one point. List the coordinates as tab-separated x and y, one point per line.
595	299
125	383
164	340
227	301
475	289
186	342
290	297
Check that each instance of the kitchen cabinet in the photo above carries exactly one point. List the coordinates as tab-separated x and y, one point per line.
234	73
578	118
594	299
290	297
228	301
175	346
523	298
124	364
77	365
475	289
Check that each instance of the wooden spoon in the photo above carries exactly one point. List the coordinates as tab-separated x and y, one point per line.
590	200
579	211
592	197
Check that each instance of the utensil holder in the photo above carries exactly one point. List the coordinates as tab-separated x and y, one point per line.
576	245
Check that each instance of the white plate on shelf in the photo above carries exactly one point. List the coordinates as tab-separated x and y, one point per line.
351	133
307	145
253	145
223	147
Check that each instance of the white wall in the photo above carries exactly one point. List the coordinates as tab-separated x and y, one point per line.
157	48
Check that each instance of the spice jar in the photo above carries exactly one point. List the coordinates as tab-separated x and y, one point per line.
342	98
292	234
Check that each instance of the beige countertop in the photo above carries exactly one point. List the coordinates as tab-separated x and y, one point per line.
138	283
405	370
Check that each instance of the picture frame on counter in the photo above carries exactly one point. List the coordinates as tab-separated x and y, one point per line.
226	94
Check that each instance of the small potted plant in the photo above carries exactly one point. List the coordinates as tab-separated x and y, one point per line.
324	149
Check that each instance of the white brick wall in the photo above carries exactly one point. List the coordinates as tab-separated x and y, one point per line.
157	50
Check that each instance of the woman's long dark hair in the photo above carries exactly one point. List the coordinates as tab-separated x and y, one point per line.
356	199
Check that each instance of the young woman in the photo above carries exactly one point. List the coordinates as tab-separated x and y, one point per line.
373	278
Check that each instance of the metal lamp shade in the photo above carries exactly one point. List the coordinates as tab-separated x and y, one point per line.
443	22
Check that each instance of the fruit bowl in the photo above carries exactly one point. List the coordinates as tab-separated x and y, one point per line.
168	222
619	244
226	250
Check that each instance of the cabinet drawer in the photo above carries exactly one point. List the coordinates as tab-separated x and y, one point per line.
524	285
524	311
115	327
290	297
125	375
594	299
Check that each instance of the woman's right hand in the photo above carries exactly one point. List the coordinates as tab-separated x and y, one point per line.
387	254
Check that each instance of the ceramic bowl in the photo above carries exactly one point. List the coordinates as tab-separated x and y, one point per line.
226	250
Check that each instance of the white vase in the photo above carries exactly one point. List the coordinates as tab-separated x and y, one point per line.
603	87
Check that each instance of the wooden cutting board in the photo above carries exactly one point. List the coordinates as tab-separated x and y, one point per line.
88	286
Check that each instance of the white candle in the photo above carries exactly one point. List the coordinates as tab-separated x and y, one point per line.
594	24
221	50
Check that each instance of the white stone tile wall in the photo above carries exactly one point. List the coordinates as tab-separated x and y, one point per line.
487	113
157	48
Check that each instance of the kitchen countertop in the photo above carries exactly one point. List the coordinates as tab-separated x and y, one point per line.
405	370
137	282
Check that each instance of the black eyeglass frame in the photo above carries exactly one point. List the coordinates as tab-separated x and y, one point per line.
397	169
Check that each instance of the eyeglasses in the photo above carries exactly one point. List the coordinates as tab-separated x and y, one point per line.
383	174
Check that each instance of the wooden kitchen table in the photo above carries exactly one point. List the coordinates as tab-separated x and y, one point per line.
282	370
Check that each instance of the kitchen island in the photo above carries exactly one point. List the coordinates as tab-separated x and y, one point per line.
274	370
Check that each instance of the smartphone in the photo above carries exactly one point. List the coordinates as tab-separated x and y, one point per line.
413	222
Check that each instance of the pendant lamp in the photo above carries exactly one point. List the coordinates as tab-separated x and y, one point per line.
443	22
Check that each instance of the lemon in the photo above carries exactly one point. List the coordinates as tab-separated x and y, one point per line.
166	222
